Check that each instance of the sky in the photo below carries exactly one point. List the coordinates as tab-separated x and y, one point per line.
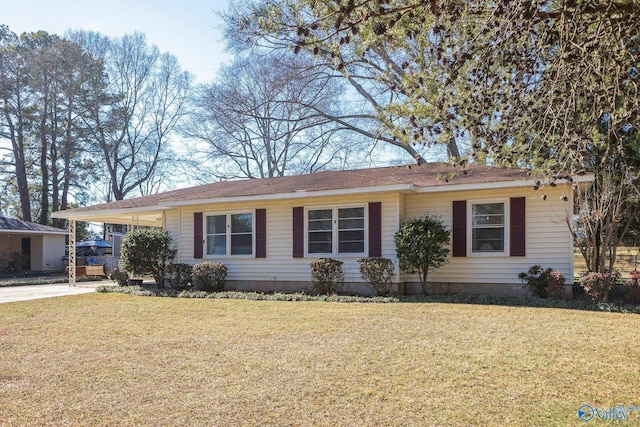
188	29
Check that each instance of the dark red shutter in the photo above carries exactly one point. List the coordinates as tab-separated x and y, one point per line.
460	228
197	235
375	229
517	226
298	232
261	233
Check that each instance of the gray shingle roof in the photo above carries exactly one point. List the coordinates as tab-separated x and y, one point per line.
426	175
14	224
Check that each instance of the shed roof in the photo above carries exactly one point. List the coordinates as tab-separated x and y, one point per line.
14	225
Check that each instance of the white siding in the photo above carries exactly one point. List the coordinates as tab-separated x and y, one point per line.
548	241
172	224
279	265
52	252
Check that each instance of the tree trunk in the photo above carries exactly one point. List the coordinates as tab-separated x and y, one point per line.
16	135
44	167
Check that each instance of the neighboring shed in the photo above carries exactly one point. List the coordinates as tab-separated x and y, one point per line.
41	247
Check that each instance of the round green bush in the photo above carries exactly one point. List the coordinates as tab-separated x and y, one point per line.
208	276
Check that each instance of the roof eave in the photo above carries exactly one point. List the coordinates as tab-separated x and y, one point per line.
51	232
151	215
493	185
300	194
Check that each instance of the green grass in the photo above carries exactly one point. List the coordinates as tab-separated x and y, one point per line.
113	359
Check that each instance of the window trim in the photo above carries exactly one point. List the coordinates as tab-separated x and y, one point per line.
228	215
506	225
335	231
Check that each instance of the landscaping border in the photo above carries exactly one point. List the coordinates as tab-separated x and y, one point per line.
449	299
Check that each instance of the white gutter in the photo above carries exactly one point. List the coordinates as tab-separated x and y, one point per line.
109	212
53	233
493	185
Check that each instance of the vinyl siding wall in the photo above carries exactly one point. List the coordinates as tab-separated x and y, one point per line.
279	266
548	241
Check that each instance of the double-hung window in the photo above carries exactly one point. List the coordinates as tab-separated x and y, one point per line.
229	234
336	230
488	227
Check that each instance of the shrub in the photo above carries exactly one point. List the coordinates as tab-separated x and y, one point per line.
632	288
556	285
178	276
118	276
208	276
327	275
543	283
378	272
598	285
12	263
148	251
420	245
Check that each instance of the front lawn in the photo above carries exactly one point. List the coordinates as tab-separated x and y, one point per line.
113	359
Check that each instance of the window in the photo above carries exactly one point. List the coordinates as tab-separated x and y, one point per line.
336	230
320	227
488	227
216	235
229	234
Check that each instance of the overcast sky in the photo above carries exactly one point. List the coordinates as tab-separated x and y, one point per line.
189	29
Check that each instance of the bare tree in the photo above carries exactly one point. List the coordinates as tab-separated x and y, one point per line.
375	73
262	118
133	112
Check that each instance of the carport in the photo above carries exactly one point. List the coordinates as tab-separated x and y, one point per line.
132	217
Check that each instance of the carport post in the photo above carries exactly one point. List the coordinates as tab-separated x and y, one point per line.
72	252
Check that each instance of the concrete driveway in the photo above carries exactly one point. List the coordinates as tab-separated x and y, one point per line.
30	292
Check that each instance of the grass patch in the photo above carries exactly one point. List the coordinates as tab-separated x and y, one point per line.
576	304
114	359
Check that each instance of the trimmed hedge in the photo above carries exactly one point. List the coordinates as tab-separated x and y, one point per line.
208	276
378	272
327	275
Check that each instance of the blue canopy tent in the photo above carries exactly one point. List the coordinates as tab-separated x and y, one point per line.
93	247
98	242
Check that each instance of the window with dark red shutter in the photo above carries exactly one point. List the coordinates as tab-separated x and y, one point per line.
298	232
459	228
517	227
375	229
197	235
261	233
